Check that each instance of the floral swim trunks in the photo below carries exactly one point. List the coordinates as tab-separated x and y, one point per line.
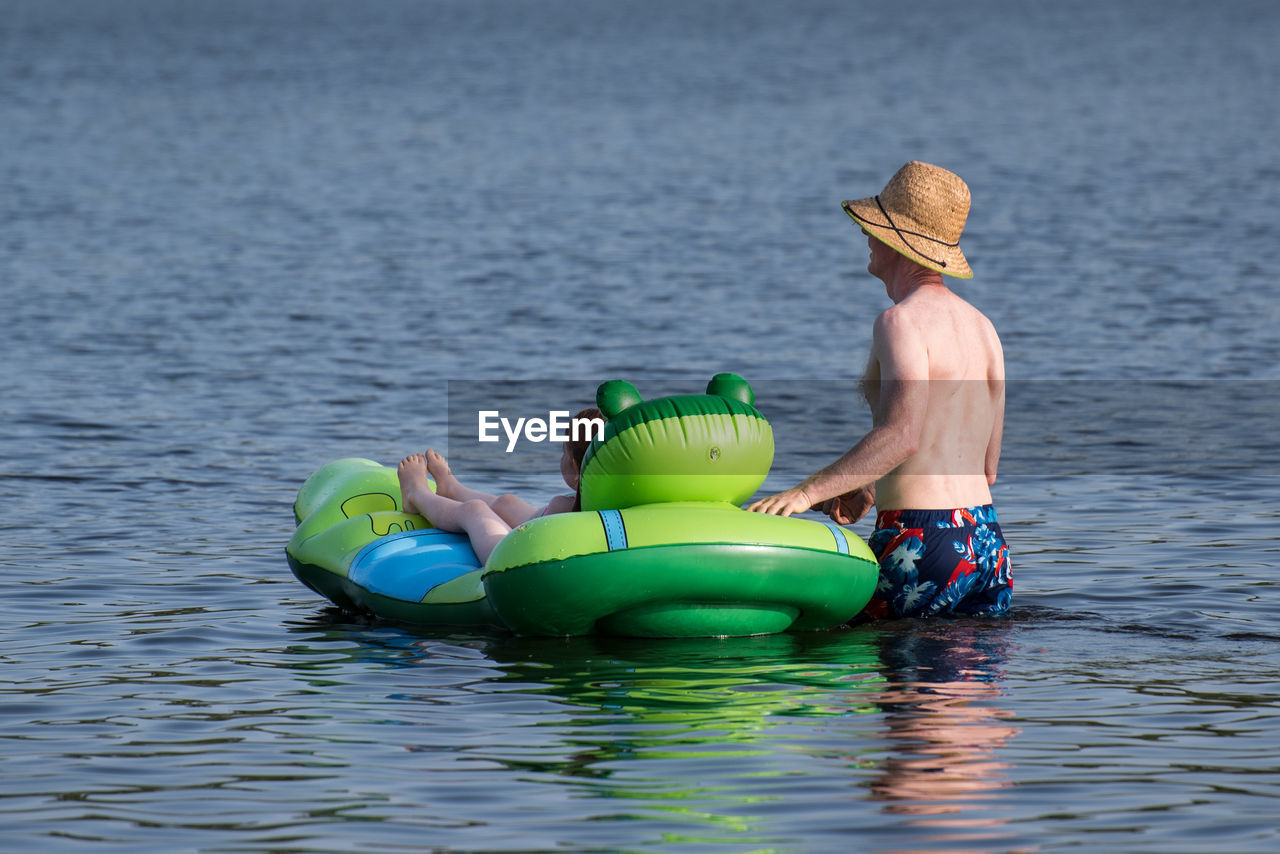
940	562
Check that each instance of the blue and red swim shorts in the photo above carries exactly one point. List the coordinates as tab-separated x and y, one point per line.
940	562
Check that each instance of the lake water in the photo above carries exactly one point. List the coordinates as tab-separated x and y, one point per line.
241	239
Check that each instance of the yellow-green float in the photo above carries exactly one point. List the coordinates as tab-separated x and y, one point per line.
660	549
356	546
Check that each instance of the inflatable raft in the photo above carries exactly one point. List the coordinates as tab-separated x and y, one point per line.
660	549
356	546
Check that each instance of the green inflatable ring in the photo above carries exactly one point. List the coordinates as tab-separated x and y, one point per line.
678	569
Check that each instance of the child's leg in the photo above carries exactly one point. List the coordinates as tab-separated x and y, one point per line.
448	485
509	508
475	518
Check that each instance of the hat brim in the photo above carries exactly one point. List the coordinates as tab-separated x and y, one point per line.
947	260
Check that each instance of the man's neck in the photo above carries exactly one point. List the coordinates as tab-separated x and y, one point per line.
909	277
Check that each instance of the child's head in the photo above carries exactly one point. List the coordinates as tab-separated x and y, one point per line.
576	448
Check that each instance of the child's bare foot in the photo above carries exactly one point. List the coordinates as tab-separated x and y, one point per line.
446	484
412	473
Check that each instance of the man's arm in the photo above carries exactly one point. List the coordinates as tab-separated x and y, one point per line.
903	356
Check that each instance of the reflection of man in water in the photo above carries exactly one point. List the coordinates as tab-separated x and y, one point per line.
935	384
943	722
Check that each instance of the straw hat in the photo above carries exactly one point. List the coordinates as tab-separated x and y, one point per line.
920	213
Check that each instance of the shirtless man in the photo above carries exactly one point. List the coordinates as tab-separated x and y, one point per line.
935	384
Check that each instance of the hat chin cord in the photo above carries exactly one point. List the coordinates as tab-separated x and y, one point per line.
903	235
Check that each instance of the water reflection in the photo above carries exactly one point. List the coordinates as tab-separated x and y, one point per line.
688	680
944	721
703	740
717	735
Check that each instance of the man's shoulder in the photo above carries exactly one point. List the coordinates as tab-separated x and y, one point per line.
904	334
906	315
896	319
936	306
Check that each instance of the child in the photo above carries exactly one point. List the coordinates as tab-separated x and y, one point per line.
484	518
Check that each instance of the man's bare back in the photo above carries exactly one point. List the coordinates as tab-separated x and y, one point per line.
959	441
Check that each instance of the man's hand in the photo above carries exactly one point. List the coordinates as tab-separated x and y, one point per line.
850	507
793	500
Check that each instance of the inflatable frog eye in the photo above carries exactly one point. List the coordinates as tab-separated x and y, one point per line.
733	387
616	396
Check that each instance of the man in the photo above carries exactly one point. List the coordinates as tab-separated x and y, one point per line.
935	384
